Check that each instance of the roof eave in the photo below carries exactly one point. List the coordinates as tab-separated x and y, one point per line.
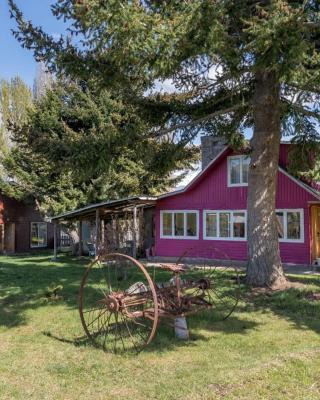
303	185
93	207
196	177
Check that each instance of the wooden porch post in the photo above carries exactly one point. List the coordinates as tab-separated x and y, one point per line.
97	231
102	232
135	225
55	241
80	239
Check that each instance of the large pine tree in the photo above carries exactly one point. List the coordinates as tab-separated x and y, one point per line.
236	64
77	146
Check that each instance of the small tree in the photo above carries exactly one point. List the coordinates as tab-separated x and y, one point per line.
42	81
15	103
236	64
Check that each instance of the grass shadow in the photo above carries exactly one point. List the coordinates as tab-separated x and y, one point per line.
77	342
299	304
24	282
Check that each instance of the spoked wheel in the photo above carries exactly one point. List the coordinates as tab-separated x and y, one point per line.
208	285
118	303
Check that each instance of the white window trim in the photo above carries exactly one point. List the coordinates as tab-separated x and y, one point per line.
285	221
162	236
32	246
231	238
241	156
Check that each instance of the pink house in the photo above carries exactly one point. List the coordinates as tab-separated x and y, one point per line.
211	211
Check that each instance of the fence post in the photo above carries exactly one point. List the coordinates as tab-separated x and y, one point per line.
55	240
134	247
80	239
97	231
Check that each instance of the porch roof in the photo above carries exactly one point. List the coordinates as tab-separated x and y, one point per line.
105	207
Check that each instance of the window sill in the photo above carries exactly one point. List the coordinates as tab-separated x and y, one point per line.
226	239
180	237
291	241
237	184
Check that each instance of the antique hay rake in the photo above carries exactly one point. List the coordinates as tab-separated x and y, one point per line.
121	302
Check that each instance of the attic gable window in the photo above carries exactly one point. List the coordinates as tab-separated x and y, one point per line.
238	168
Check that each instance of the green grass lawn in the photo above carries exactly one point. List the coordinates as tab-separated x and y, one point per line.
268	349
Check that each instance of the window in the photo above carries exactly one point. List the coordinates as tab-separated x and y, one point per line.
290	225
211	224
280	224
167	224
239	225
235	170
238	169
191	224
179	224
38	234
293	225
225	225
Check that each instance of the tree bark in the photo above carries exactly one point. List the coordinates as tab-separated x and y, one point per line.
73	233
264	265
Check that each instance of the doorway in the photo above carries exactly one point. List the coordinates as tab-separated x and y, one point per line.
9	237
315	228
1	238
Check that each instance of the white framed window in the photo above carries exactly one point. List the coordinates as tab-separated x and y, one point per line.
39	234
238	168
179	224
225	225
290	225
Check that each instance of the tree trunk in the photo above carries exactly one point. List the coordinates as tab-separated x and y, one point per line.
71	230
264	264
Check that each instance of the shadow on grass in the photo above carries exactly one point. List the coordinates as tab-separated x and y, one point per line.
24	283
79	341
163	341
300	305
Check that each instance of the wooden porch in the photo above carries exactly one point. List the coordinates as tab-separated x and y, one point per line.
124	225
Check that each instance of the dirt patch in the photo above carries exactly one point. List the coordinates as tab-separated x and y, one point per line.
223	390
313	296
258	291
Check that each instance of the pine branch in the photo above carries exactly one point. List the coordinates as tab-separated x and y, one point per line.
305	88
302	110
312	25
199	120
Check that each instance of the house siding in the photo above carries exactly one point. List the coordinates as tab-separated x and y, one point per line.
22	215
211	192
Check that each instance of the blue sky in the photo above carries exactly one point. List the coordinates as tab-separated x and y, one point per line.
18	61
14	59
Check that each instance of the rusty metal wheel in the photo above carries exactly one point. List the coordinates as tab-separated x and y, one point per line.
118	303
209	284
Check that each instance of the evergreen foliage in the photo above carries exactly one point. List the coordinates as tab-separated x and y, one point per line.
15	103
211	50
78	147
236	64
